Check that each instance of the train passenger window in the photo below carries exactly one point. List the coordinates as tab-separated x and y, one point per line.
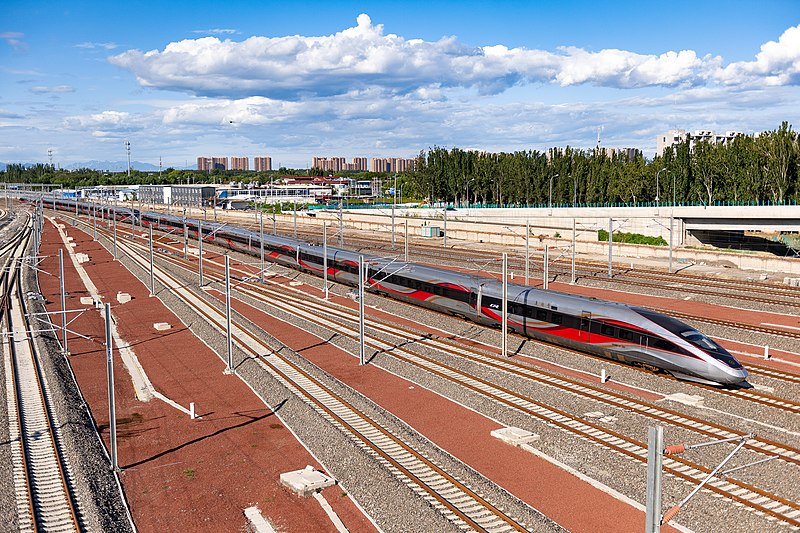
662	344
625	334
541	314
557	318
607	330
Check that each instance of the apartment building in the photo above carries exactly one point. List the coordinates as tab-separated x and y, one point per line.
338	164
262	163
392	164
675	137
240	163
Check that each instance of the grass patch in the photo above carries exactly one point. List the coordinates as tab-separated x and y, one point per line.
631	238
189	473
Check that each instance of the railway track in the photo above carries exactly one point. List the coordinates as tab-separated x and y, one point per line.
760	500
456	501
585	269
43	485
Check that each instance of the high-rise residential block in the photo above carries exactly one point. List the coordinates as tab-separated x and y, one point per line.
262	163
240	163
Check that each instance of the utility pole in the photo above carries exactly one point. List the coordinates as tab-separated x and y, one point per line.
261	244
361	275
655	458
228	311
610	240
112	412
63	300
152	276
325	256
504	315
546	267
200	250
527	249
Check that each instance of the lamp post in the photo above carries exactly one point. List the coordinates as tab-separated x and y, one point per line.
658	189
550	200
470	181
128	148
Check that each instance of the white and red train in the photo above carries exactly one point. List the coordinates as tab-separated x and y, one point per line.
616	331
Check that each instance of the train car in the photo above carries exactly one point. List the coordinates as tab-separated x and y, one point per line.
616	331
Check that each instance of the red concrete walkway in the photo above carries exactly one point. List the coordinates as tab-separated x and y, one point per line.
571	502
179	474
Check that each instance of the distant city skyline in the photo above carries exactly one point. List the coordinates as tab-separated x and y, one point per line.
300	79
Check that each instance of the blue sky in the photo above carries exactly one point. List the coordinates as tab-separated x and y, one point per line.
297	79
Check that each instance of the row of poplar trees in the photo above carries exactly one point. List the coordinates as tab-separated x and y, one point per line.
751	169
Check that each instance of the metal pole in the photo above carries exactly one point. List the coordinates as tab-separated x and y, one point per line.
394	204
115	236
294	216
185	238
573	252
406	241
610	240
546	267
504	341
228	311
200	251
112	414
325	256
527	249
75	220
274	220
445	225
152	276
671	219
361	276
655	449
261	244
341	223
63	300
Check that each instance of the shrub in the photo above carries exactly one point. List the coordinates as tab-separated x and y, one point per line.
631	238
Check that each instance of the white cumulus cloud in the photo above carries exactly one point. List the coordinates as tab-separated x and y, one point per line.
778	63
293	67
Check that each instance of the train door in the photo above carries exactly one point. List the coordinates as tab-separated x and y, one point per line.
585	333
478	300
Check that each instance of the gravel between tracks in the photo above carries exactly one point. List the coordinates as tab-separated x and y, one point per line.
591	459
101	504
582	455
390	503
8	503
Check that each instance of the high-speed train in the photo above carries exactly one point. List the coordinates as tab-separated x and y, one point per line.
616	331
